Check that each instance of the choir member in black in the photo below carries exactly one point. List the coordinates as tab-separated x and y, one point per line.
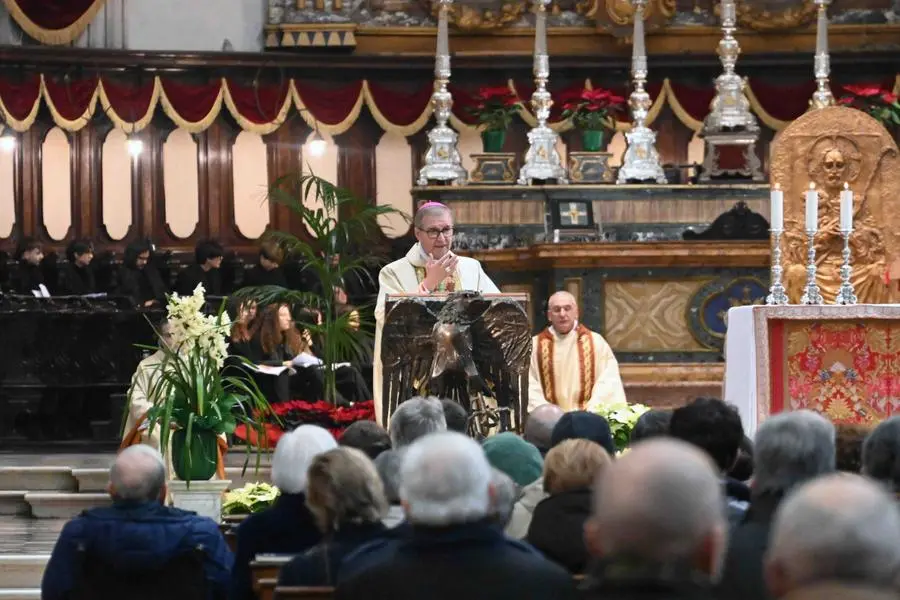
76	277
279	341
27	276
243	324
268	271
140	280
208	255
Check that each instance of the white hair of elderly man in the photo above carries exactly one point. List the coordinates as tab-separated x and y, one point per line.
294	453
445	480
415	418
792	448
840	528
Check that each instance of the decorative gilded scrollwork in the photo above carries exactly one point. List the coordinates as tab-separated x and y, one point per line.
481	15
773	15
618	15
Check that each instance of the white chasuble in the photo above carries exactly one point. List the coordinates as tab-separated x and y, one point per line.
575	371
404	276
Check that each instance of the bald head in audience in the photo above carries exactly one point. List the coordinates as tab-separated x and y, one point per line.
138	475
540	424
839	528
661	503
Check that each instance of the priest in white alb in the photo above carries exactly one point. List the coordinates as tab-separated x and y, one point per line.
571	366
430	267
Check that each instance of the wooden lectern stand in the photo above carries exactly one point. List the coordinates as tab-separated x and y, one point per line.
470	347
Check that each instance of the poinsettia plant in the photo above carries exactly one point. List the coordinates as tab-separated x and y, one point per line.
880	104
590	110
495	108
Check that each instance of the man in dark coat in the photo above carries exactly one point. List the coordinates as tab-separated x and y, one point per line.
138	279
791	448
658	527
137	531
76	278
27	276
208	256
453	548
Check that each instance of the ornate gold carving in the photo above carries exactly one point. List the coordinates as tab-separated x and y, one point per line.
771	15
829	147
481	15
618	15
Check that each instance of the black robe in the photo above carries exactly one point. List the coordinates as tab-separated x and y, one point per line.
257	276
76	281
141	285
193	275
25	277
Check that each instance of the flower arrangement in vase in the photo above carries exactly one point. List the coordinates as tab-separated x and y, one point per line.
196	398
494	108
622	418
882	105
591	111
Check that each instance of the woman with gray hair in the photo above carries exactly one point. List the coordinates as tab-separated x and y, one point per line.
346	497
287	527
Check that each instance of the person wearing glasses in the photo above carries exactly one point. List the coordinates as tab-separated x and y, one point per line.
430	267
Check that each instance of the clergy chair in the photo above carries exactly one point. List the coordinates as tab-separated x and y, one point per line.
308	593
181	578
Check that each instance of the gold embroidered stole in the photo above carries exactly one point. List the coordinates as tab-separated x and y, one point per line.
586	364
449	284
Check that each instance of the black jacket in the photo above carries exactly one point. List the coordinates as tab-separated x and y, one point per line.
257	276
286	528
141	285
76	281
473	561
742	575
634	580
557	529
25	277
319	565
191	276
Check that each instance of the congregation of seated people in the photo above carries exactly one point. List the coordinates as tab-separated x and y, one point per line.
692	509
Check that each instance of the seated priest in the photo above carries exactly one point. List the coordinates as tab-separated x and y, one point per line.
571	366
429	267
208	255
138	279
27	276
76	277
279	343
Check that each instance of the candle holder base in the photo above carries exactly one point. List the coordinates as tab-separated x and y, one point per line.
812	295
846	295
777	294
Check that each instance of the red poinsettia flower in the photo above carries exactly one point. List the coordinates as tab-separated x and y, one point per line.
866	91
889	98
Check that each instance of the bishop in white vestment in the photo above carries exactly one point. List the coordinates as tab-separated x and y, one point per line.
571	366
429	267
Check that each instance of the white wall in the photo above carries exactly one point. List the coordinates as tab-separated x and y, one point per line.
194	24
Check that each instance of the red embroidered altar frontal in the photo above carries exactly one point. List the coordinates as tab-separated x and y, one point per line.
845	369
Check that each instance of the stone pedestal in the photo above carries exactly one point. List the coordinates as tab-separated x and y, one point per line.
494	168
590	167
203	497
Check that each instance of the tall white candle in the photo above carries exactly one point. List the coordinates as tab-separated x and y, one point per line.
776	218
846	208
812	208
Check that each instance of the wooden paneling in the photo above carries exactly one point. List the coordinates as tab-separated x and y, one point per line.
284	151
356	157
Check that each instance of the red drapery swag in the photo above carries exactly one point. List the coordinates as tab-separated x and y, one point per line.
333	110
55	22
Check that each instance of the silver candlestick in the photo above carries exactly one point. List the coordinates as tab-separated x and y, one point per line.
812	294
822	97
777	295
641	160
542	160
442	160
846	295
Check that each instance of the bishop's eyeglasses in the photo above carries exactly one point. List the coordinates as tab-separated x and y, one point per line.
434	233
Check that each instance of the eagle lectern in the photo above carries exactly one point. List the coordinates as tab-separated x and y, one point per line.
472	348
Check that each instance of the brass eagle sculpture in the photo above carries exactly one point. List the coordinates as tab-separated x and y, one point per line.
464	348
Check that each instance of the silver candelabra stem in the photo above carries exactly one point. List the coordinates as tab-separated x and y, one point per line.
846	295
811	295
641	160
542	160
822	97
442	160
777	295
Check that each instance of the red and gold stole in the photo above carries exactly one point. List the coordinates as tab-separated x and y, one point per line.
450	284
586	364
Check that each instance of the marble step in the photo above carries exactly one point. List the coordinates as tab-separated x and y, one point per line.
95	480
22	571
12	503
61	505
91	480
37	479
20	594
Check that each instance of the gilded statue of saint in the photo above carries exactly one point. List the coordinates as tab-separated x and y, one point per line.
832	162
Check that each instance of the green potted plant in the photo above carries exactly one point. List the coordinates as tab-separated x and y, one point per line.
196	398
494	108
591	112
882	105
342	228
